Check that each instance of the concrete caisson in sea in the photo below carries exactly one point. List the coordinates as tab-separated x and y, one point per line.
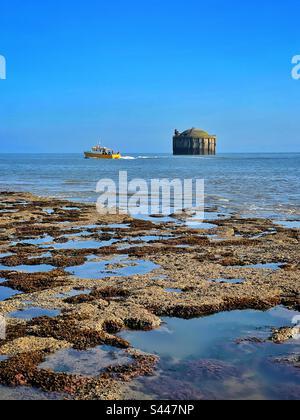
195	142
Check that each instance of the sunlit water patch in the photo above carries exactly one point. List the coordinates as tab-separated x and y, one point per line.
216	238
200	358
129	246
151	238
89	363
198	224
7	293
159	278
42	268
35	241
73	293
49	211
176	291
228	281
45	255
101	269
90	244
8	211
118	226
154	219
31	313
289	224
266	266
71	208
269	232
92	226
184	246
5	255
83	233
214	216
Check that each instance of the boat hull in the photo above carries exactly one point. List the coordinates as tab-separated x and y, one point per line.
92	155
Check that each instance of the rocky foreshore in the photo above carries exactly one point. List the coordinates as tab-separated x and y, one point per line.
77	279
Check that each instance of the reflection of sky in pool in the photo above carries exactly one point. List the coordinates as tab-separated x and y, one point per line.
155	220
268	266
100	269
202	355
173	291
70	208
6	293
117	226
73	293
86	363
47	242
150	238
289	224
83	244
45	255
5	255
228	281
49	211
32	313
213	216
180	338
199	224
8	211
35	241
43	268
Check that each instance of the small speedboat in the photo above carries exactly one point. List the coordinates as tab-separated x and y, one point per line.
99	152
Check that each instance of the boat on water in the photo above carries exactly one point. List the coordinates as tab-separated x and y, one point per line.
99	152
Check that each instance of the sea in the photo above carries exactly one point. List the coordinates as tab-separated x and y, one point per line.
201	358
251	185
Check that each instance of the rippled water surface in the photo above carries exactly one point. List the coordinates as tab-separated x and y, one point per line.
216	357
260	184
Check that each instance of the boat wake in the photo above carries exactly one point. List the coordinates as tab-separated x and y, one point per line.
139	157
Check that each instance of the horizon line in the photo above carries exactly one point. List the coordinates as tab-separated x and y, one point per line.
150	153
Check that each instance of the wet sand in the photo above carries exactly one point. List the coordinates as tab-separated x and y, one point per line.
73	280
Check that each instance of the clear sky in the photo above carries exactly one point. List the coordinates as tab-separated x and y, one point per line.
131	71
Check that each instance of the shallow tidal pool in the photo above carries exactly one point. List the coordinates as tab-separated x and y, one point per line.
31	313
89	363
208	358
97	270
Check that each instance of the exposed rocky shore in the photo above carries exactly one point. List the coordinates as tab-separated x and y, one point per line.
49	253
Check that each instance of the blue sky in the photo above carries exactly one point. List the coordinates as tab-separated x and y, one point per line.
132	71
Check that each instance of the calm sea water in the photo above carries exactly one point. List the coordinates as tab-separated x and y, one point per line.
199	358
251	184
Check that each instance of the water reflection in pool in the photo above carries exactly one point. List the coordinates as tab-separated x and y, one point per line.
86	363
7	293
42	268
31	313
200	358
124	267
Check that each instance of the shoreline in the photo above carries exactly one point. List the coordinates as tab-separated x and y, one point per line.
235	264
